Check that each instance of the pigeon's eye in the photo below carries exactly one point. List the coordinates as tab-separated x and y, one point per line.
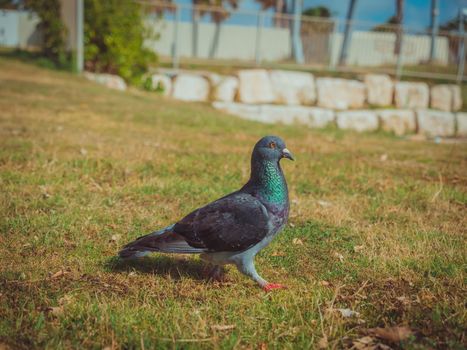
272	145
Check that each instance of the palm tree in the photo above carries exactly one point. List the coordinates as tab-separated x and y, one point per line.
218	12
398	20
347	32
280	8
434	28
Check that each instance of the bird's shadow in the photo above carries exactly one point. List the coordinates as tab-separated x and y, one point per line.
163	265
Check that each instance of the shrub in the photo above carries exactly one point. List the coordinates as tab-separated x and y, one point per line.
114	35
52	28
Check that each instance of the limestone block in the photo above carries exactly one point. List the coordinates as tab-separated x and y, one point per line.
109	80
399	121
411	95
361	120
293	88
446	97
243	110
255	86
309	116
161	83
340	93
461	124
435	123
190	87
456	97
284	114
380	89
320	117
225	89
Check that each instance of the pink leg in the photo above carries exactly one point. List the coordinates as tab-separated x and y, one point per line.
271	286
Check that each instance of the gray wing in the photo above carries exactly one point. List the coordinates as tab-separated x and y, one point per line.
233	223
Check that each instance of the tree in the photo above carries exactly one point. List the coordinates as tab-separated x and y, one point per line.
317	11
218	12
316	33
9	5
114	34
455	40
434	28
398	21
52	28
390	26
347	32
394	25
280	8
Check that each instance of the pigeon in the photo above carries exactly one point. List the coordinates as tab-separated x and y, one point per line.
234	228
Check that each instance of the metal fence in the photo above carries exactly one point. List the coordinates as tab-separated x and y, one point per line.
217	35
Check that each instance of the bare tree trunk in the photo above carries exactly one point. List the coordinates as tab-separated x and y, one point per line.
194	33
280	9
215	40
434	28
399	19
347	32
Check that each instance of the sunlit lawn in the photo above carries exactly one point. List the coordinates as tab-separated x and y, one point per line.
378	226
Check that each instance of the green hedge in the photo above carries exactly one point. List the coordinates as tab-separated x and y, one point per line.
114	35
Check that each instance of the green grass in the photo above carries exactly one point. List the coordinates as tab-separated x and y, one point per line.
84	170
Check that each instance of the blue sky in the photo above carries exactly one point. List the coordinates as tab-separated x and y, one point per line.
416	16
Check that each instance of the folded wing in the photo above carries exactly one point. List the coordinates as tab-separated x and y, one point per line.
233	223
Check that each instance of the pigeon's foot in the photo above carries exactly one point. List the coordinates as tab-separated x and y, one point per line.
271	286
216	274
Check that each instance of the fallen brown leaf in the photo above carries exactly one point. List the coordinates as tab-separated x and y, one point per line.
219	327
323	342
115	238
358	248
365	343
338	256
324	204
297	241
59	273
65	299
55	310
368	343
392	334
278	254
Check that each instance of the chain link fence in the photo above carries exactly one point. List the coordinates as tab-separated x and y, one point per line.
216	35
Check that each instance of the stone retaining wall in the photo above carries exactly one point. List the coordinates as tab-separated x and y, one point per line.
301	88
428	122
298	97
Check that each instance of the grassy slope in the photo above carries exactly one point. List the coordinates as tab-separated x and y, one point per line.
84	170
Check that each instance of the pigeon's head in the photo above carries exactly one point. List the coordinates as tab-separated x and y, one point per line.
271	148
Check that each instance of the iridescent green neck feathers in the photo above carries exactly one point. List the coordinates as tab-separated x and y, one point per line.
271	183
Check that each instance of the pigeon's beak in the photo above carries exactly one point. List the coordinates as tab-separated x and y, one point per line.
286	154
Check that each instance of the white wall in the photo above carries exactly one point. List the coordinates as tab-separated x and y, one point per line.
9	34
238	43
235	42
376	49
18	29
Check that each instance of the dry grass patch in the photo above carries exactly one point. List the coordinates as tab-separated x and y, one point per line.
377	227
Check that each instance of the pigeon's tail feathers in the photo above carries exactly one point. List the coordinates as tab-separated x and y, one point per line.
165	241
